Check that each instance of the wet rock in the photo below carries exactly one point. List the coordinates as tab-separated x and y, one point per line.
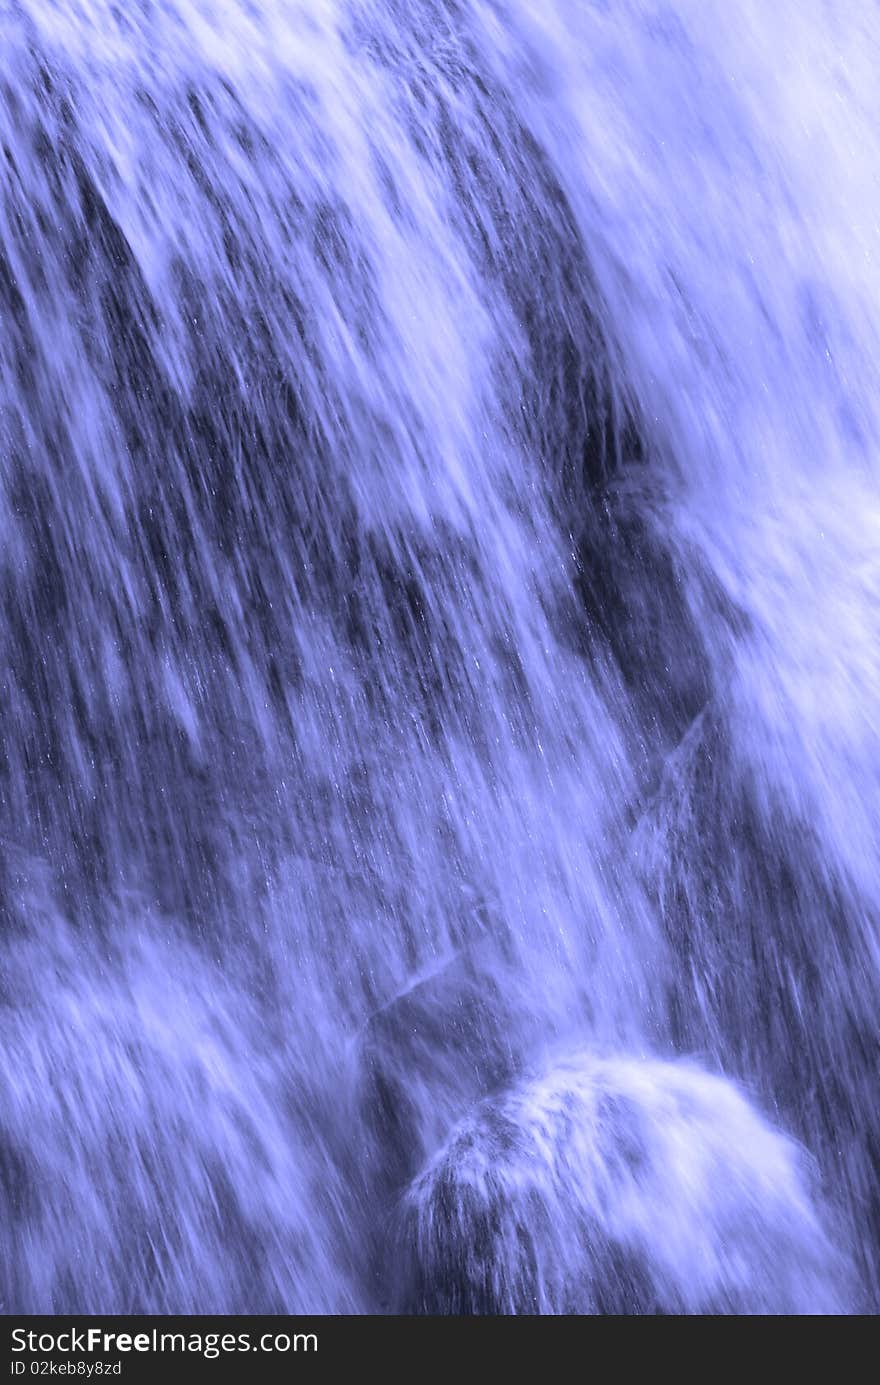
616	1186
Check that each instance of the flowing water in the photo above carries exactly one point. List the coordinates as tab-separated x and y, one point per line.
440	580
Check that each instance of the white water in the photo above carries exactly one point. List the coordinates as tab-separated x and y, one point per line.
439	610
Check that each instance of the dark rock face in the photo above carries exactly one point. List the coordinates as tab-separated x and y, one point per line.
424	1060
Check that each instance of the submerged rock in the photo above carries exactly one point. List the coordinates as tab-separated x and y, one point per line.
617	1186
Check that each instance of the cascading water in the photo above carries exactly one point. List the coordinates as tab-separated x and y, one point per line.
440	780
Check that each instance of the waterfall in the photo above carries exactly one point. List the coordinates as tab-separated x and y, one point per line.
440	628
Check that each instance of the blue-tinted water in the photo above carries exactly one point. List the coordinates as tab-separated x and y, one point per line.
440	582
